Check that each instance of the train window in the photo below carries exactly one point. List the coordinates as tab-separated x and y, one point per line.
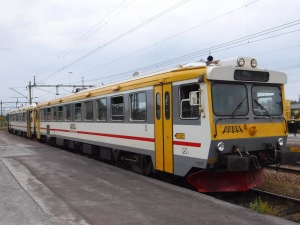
68	112
117	108
138	106
43	114
167	105
48	114
267	100
157	106
101	108
78	112
54	113
89	111
229	99
59	113
186	110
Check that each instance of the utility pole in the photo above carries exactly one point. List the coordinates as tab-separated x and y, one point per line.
1	105
30	86
30	92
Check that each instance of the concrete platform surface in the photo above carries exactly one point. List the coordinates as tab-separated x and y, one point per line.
40	184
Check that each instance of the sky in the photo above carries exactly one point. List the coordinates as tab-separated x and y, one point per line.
96	42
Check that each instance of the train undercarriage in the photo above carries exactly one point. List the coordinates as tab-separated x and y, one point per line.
234	172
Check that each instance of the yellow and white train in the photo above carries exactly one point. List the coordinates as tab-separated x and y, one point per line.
216	123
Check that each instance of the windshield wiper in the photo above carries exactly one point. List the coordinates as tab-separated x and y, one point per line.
235	112
262	107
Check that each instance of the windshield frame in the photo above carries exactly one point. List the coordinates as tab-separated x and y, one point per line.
260	106
227	99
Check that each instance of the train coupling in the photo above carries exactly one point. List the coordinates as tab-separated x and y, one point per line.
240	160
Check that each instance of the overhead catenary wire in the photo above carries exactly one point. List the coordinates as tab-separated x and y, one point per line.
220	47
144	23
205	53
95	27
171	37
87	34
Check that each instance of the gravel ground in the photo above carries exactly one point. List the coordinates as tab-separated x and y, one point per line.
281	183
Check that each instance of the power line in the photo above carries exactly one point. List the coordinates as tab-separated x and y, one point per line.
176	35
171	37
86	35
221	47
121	36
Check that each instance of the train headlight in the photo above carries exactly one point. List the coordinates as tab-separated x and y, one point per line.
253	63
280	142
220	146
241	61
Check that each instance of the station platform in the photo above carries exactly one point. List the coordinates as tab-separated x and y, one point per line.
40	184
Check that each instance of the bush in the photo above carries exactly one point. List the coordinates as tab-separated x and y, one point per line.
262	207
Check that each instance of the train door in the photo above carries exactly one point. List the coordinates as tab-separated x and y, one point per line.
28	123
163	128
38	124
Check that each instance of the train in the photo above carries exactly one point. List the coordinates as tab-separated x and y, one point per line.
215	123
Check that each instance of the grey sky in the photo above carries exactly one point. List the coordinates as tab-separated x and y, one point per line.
103	41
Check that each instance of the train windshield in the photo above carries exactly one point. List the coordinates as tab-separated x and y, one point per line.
229	99
266	100
232	100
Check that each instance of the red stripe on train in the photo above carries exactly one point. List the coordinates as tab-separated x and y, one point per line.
181	143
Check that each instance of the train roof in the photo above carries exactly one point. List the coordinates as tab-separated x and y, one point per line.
213	70
22	109
182	72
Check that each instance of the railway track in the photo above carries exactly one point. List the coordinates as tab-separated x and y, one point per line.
282	206
285	206
291	169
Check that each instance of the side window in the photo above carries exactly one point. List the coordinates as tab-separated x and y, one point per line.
54	113
68	112
48	114
43	114
167	105
157	106
89	111
138	106
117	108
101	107
78	113
186	110
59	113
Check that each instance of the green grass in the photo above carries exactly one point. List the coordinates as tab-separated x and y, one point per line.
261	206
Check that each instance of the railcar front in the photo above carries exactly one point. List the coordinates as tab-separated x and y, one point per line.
247	123
21	121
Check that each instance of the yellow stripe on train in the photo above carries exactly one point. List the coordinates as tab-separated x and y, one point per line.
230	131
294	149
